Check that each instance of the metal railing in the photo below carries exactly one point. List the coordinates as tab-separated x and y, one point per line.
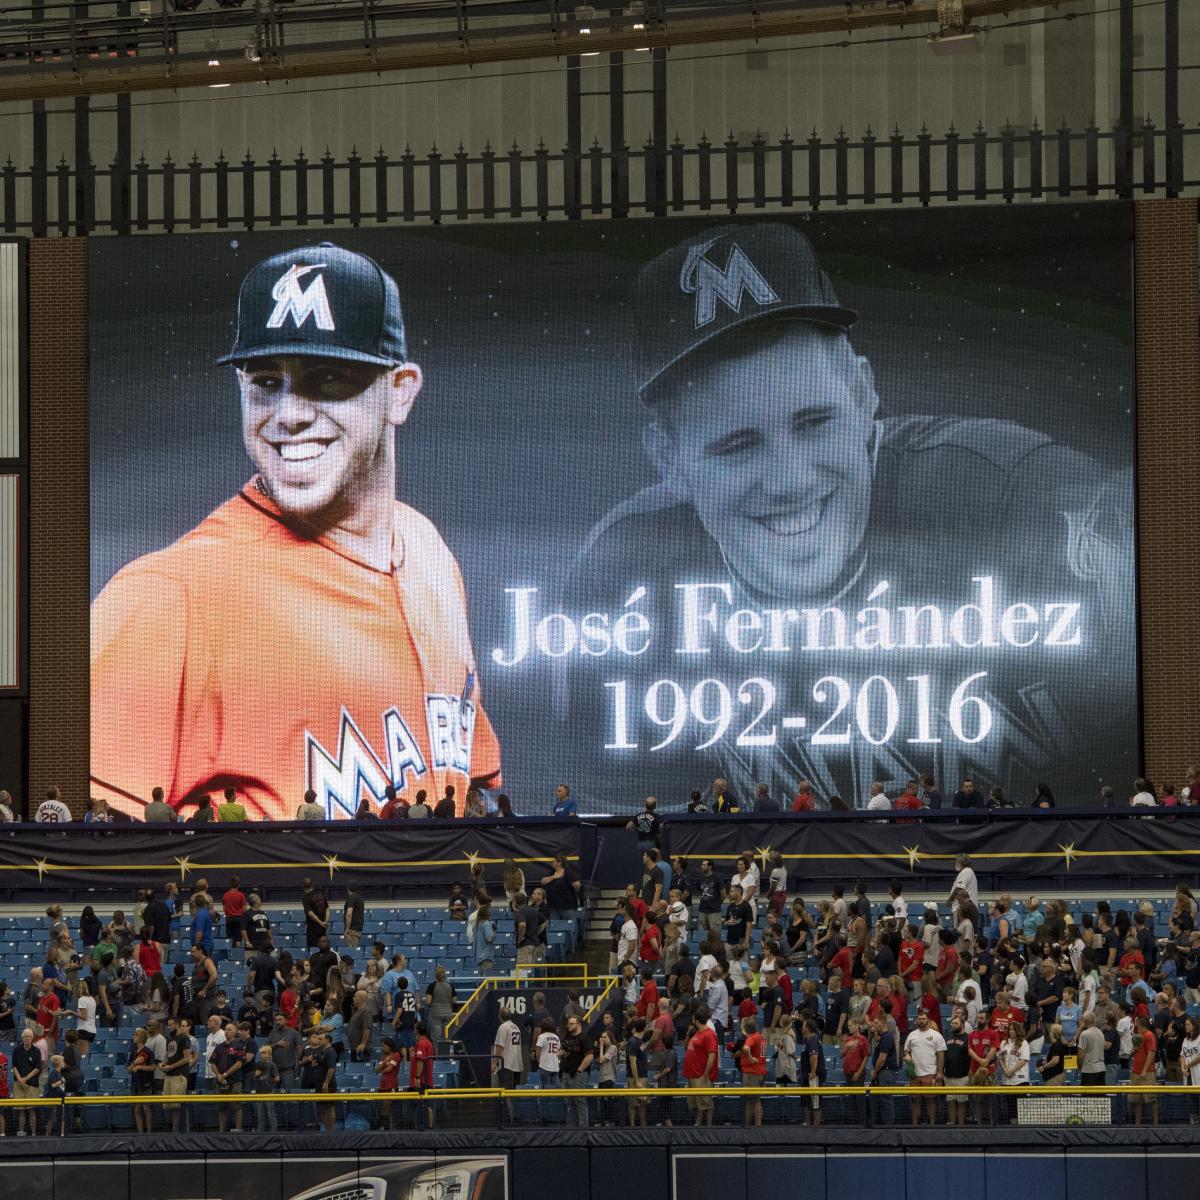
1010	165
858	1107
572	974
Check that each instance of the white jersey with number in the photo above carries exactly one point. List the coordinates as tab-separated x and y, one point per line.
508	1038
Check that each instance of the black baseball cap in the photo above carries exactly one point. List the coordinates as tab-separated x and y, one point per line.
323	302
725	278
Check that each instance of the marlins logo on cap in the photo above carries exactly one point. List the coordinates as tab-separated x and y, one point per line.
723	279
321	302
293	299
710	284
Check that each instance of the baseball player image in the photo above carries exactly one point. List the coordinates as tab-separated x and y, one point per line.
311	632
781	481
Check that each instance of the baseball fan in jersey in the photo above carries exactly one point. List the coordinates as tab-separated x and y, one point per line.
311	632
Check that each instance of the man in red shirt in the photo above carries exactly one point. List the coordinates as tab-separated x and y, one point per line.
789	996
700	1065
420	1071
662	1026
843	960
1143	1069
855	1052
650	942
983	1044
804	801
1005	1014
47	1010
753	1063
908	801
886	1004
395	807
233	903
912	961
639	905
947	965
647	1002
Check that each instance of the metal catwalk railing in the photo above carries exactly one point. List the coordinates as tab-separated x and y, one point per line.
491	1108
1008	166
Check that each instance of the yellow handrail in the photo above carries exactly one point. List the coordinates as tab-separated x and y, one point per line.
487	1093
468	1005
600	1000
571	972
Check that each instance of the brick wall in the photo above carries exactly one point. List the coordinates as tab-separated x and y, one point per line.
1167	312
1168	381
58	519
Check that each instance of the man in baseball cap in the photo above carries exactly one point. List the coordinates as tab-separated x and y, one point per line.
325	382
311	635
762	411
787	508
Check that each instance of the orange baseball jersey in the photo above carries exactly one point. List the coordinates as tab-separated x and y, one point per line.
251	656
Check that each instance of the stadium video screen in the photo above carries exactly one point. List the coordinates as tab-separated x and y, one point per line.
625	505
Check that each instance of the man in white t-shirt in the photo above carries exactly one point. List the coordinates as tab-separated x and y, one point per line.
925	1048
1143	797
878	801
216	1037
899	904
627	940
52	810
1125	1032
704	966
965	879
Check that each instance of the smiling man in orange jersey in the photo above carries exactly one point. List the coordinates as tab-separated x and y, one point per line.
311	632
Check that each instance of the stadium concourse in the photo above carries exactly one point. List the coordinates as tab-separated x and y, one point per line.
690	992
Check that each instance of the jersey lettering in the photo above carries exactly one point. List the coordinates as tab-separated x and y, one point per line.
404	755
451	721
340	782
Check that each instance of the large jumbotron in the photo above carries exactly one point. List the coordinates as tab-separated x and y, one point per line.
649	654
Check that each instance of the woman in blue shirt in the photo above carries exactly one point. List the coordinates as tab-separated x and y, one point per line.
1069	1015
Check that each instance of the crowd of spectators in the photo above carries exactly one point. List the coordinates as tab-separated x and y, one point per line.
875	993
294	1021
720	980
915	795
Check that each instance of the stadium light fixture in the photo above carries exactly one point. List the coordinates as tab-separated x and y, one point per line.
954	35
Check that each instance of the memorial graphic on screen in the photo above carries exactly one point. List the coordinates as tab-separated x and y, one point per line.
630	507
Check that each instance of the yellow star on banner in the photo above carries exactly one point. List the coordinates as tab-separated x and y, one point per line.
914	856
473	858
1068	852
333	863
185	865
763	853
39	865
